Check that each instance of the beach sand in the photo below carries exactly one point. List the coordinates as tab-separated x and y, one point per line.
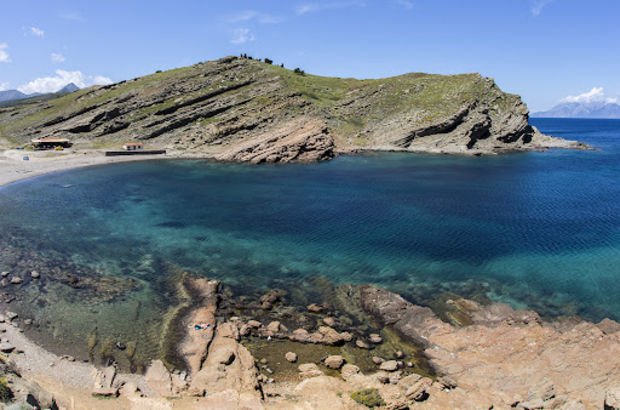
13	167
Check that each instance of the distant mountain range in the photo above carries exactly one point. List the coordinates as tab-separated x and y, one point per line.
15	95
592	109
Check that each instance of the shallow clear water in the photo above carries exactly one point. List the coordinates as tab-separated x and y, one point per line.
538	230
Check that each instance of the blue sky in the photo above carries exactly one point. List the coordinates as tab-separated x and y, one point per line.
545	50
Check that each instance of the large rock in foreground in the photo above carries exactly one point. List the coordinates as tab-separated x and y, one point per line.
510	358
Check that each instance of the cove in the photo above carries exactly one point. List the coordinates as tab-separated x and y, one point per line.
537	230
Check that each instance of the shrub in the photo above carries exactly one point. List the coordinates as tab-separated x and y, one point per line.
368	397
299	71
268	61
6	395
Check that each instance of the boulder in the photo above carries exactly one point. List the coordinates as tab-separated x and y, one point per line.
11	315
291	357
362	344
4	274
329	321
274	327
255	324
315	308
377	360
375	338
389	366
334	362
35	275
419	391
300	335
16	280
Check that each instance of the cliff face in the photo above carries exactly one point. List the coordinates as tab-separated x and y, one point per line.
246	110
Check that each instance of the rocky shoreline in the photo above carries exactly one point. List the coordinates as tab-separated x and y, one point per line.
364	347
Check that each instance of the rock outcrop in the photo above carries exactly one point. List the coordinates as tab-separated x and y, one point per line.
237	109
505	357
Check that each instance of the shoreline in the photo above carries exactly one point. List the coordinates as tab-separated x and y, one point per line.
501	357
14	169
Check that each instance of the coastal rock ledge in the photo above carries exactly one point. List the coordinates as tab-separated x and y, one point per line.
240	109
500	359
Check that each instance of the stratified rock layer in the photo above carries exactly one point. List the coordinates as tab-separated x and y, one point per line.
246	110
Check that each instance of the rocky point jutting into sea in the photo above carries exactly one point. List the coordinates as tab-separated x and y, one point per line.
246	110
106	288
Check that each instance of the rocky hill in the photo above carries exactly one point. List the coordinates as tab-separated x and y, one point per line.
247	110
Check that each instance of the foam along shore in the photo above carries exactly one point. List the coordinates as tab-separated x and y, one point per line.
482	357
13	166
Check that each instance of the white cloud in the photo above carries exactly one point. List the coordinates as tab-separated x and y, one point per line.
252	15
35	31
537	6
596	94
306	8
4	86
406	4
4	55
57	58
242	36
62	78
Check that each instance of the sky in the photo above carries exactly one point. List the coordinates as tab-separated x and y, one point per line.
547	51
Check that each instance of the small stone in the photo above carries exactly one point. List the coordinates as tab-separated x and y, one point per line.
5	274
120	345
377	360
35	275
28	322
263	361
410	364
315	308
399	354
375	338
362	344
334	362
291	357
329	321
16	280
389	366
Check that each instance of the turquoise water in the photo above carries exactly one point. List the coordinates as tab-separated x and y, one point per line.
539	230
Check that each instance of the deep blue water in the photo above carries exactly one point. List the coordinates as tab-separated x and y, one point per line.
539	230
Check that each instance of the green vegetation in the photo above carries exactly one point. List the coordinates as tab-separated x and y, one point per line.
6	395
245	89
368	397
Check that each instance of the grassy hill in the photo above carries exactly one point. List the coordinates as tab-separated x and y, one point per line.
242	109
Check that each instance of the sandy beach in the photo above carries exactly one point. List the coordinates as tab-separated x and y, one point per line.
13	167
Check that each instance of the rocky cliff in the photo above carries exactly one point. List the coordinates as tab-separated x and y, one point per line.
247	110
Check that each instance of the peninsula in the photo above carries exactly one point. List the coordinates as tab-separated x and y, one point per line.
242	109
